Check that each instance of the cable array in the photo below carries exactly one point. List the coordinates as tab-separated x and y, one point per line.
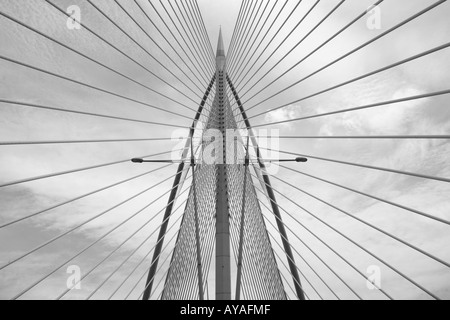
270	253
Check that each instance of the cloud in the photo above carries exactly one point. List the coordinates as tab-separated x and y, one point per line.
284	114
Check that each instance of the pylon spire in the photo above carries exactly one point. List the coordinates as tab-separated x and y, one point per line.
220	56
221	109
220	45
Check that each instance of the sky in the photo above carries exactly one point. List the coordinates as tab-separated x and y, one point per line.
429	116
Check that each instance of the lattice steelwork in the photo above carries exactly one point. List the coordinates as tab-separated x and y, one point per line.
261	278
182	278
260	275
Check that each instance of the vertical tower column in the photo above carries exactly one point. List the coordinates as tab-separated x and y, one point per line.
223	264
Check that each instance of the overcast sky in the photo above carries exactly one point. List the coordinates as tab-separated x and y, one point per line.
421	117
